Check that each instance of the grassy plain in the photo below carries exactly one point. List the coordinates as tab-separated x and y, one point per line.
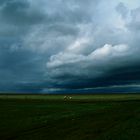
84	117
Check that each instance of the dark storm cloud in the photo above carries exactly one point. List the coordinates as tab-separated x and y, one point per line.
69	46
19	12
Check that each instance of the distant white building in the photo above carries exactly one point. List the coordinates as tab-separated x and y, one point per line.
67	97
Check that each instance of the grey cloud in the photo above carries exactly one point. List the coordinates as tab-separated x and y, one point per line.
94	65
68	46
122	9
135	21
18	12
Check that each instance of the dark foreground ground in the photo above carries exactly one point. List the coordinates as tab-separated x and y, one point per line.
81	118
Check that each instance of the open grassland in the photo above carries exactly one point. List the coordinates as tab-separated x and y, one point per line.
84	117
76	97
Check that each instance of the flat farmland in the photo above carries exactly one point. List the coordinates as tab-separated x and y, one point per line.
81	117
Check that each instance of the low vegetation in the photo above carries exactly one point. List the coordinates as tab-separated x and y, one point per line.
81	117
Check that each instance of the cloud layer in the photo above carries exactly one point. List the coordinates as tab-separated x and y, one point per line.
69	46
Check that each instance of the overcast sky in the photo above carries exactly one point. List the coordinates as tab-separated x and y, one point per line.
61	46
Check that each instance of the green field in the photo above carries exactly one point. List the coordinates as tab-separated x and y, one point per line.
84	117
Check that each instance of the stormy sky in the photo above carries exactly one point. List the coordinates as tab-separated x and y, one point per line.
69	46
